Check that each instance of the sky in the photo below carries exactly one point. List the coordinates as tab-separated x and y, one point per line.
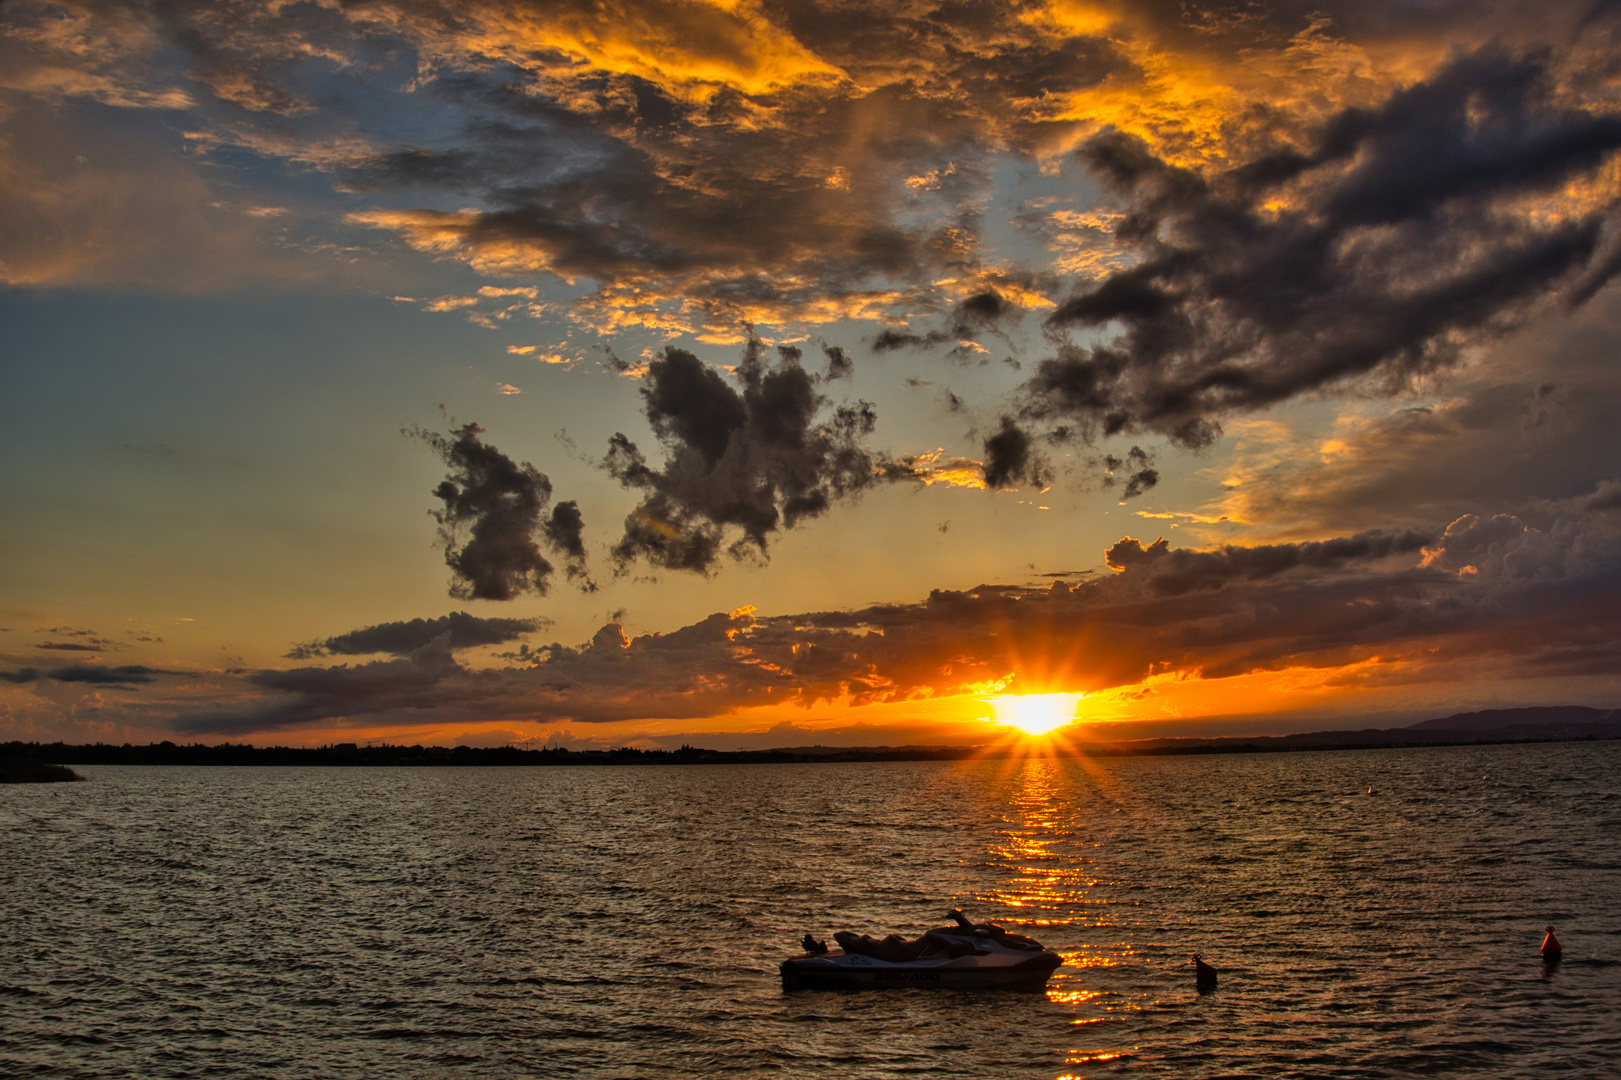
750	374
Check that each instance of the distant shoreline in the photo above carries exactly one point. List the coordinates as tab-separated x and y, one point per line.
352	755
1491	727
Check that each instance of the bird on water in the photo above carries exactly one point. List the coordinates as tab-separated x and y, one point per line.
1551	948
1203	974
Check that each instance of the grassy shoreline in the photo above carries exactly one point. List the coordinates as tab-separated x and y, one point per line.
30	771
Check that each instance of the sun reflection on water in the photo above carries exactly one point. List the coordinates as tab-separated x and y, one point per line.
1045	875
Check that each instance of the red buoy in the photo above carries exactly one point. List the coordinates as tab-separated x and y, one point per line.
1550	946
1203	974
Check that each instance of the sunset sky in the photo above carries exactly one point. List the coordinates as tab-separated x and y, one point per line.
775	373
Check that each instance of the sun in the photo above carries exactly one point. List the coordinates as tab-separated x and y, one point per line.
1035	714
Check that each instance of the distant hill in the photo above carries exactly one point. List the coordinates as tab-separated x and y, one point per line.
1510	719
1535	724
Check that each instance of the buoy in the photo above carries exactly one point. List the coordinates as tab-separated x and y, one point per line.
1550	946
1370	789
1203	974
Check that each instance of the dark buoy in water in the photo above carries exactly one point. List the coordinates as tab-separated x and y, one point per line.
1551	949
1204	976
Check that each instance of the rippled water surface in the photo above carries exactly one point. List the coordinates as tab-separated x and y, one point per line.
627	922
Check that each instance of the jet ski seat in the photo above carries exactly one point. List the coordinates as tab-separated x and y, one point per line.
895	949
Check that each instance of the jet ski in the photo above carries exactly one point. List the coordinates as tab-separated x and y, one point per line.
966	956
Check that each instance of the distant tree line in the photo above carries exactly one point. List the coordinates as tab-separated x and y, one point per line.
169	753
345	754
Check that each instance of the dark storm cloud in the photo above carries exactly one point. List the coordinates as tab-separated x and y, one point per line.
839	364
752	460
1484	591
890	340
565	532
405	686
1139	482
1174	572
1141	476
1011	458
1376	254
102	676
401	638
492	513
984	312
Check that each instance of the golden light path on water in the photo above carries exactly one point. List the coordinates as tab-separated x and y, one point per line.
1046	875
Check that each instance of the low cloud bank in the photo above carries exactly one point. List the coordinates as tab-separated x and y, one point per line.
126	675
403	638
1534	602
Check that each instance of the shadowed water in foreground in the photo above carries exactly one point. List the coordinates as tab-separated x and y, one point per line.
627	922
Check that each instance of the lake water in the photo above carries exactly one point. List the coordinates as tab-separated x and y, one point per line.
628	922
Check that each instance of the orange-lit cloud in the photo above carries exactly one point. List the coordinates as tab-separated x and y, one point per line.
763	158
935	468
1309	622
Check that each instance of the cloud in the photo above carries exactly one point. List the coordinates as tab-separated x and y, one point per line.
309	695
564	530
1168	572
1525	429
1606	498
934	468
401	638
1011	458
702	164
1138	464
1393	605
740	464
986	311
492	513
123	676
839	364
1374	255
103	196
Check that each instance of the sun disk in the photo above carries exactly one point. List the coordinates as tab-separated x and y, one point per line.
1035	714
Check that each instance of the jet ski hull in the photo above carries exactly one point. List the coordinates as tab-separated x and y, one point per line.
1001	970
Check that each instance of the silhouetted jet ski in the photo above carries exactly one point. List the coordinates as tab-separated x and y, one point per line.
963	957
